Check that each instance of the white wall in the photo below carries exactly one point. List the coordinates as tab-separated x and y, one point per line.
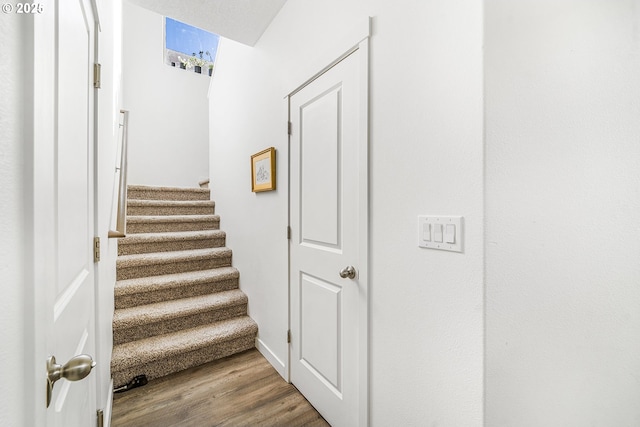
243	124
13	76
168	132
426	158
562	210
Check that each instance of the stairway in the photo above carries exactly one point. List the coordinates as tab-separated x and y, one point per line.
177	302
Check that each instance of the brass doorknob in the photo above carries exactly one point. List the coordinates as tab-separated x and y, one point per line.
75	369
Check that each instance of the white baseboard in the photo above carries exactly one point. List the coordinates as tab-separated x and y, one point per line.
277	364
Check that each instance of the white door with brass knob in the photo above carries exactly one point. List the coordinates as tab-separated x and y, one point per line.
328	211
65	386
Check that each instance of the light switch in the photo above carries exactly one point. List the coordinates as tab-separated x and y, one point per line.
449	233
445	233
426	232
437	233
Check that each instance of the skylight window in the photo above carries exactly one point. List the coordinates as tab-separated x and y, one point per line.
188	47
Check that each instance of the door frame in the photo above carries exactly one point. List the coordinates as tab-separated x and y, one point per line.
361	34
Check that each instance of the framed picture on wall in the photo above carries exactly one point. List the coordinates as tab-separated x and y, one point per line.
263	170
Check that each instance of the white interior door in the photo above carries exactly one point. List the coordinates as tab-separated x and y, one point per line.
328	337
64	213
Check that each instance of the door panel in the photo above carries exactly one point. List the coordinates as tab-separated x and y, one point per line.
320	170
73	132
70	306
324	190
320	326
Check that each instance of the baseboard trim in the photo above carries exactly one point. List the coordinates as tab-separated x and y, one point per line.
277	364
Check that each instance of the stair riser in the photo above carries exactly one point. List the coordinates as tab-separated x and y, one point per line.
170	210
169	227
133	272
169	365
174	292
146	330
167	195
180	245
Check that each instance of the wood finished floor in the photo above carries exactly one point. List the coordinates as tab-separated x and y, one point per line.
237	391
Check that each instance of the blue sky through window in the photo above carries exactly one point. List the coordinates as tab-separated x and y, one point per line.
186	39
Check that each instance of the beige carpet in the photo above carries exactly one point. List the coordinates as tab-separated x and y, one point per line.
177	302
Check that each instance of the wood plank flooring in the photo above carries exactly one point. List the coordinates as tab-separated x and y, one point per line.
237	391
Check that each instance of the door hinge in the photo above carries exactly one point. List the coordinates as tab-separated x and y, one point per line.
96	75
289	336
100	422
96	249
289	128
288	232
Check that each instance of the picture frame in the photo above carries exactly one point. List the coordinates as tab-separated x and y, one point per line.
263	170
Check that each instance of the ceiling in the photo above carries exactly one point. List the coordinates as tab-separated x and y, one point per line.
241	20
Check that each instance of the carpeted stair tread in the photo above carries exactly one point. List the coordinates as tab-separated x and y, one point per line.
170	241
137	224
170	236
146	192
156	203
144	321
147	290
184	341
170	207
136	219
155	258
164	366
153	313
189	278
157	263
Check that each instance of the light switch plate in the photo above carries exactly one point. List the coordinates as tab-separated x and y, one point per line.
443	221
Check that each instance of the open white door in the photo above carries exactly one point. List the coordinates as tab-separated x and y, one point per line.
63	182
328	214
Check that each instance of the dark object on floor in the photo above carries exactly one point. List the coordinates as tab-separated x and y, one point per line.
138	381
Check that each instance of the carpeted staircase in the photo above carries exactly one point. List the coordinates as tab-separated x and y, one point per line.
177	302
